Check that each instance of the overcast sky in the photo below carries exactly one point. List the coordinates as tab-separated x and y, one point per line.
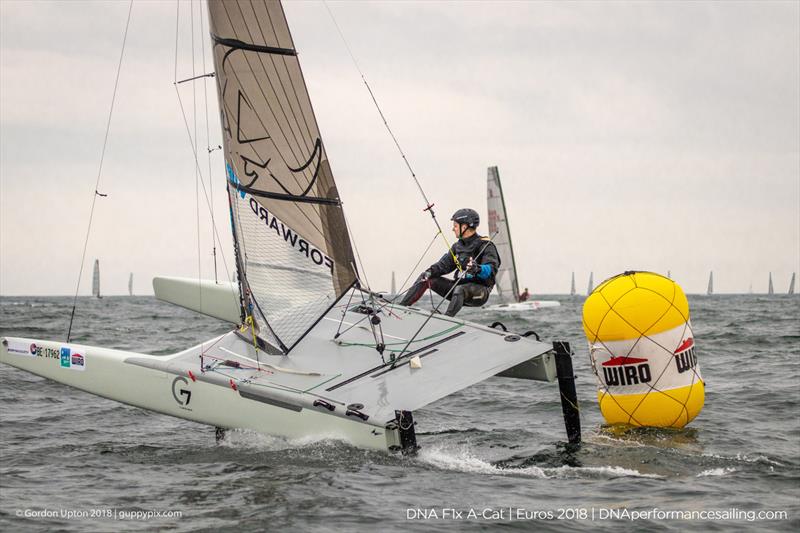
629	135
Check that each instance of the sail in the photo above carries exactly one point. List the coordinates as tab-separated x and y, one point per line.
710	290
506	278
130	285
770	289
96	279
791	284
572	285
293	253
394	285
590	288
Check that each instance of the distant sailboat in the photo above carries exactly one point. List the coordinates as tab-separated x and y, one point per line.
770	289
572	286
590	288
710	283
394	285
791	285
507	286
130	285
96	279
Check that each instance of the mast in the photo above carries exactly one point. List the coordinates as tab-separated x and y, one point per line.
791	284
294	259
770	289
506	278
710	290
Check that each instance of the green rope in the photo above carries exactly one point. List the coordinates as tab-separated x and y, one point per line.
439	334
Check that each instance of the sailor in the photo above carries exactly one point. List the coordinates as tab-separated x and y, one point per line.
479	262
525	295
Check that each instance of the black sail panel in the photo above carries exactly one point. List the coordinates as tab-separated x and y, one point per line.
294	255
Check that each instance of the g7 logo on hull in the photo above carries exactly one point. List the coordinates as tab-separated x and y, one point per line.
181	394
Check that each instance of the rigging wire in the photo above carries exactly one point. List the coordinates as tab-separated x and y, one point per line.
100	169
193	145
428	204
436	309
389	302
210	150
197	167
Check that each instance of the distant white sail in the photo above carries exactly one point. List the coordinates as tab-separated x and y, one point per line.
506	278
791	285
590	288
96	279
710	283
130	285
771	289
572	286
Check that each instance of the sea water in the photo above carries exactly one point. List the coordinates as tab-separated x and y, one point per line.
492	455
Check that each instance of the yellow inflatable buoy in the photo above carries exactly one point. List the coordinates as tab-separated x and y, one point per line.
642	351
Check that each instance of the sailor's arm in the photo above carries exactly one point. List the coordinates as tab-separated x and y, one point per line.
487	264
443	266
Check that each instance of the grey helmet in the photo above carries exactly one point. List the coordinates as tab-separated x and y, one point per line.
467	216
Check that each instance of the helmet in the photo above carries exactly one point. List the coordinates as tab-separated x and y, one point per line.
467	216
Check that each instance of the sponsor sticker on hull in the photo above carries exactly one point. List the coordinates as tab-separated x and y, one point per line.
72	360
22	349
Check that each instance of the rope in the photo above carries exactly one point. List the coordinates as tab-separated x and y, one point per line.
100	170
436	310
193	145
389	302
428	204
208	147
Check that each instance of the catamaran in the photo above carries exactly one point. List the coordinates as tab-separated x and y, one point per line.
506	283
312	350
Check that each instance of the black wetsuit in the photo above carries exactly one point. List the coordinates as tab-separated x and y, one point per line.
472	291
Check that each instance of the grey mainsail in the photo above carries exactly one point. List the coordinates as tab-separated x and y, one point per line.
572	285
590	288
130	285
293	253
770	288
710	290
506	279
791	284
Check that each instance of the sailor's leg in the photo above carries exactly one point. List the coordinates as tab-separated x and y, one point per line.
442	286
475	294
456	301
415	292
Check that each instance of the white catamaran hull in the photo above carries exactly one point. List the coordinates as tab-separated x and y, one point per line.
106	373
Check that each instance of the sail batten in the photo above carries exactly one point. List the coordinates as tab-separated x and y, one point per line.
293	252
